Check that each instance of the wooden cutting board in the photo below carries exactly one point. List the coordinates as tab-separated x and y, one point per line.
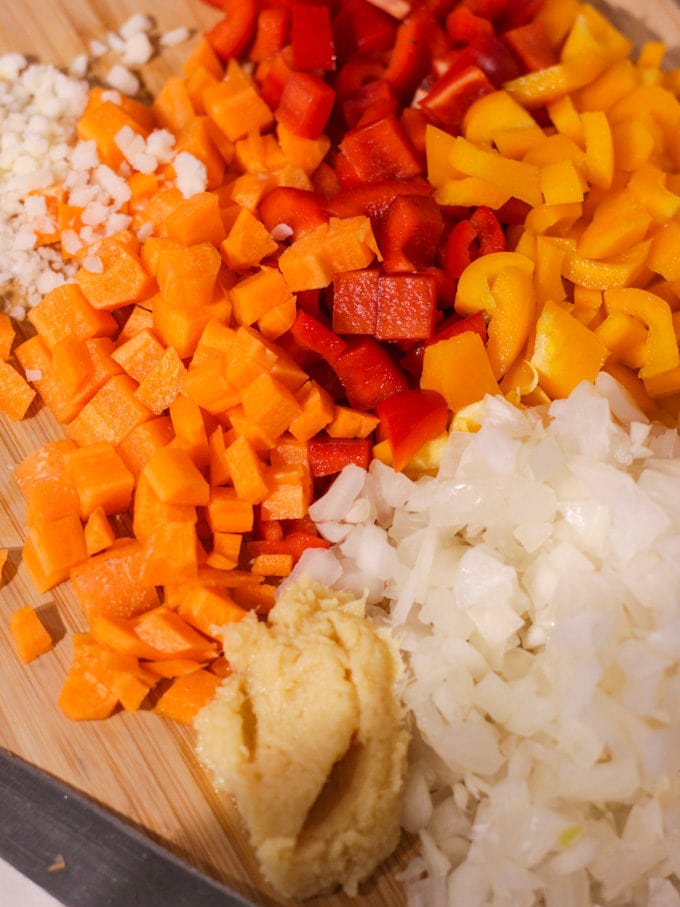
138	765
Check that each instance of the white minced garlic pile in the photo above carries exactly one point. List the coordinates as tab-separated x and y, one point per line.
534	588
39	110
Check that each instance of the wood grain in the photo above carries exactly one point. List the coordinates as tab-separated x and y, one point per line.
139	766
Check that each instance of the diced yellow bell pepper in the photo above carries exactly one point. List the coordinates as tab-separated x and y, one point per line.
610	86
475	286
625	338
518	178
561	183
619	221
651	55
587	305
520	379
618	271
593	33
664	252
438	147
633	144
557	18
458	368
556	148
470	191
498	112
547	276
557	219
661	349
536	89
648	183
566	119
599	148
565	352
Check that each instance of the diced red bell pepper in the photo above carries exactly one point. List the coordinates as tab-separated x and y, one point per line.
294	543
414	123
407	304
373	101
355	301
299	209
231	35
271	33
357	73
409	420
518	12
305	105
360	27
468	239
327	456
309	301
313	335
368	373
447	102
463	26
311	37
412	361
373	199
411	58
531	46
273	75
381	151
409	233
491	55
489	9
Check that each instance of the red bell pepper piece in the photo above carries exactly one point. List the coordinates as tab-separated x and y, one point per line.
468	239
231	35
409	420
328	456
463	26
489	54
357	73
530	45
414	123
489	9
313	335
361	28
381	151
518	12
407	305
355	301
273	75
299	209
311	37
309	301
305	105
294	543
411	58
373	199
271	33
409	233
373	101
446	103
368	373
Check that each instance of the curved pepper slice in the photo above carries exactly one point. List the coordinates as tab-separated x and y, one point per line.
500	284
409	420
661	349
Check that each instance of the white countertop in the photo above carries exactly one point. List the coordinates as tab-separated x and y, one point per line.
18	891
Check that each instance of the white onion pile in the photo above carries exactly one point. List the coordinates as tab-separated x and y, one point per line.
534	587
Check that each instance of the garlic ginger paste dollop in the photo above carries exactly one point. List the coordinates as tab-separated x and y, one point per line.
308	735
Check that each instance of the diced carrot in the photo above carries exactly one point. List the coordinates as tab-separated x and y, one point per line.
162	384
203	55
7	335
196	220
190	430
226	512
207	609
47	462
260	598
351	423
273	564
149	511
55	546
317	410
136	448
196	139
82	698
168	633
109	583
100	478
234	104
247	471
247	243
220	666
139	318
173	667
138	355
187	696
270	403
178	537
102	122
29	635
172	105
65	312
175	478
99	533
16	394
227	545
111	414
123	279
217	457
290	493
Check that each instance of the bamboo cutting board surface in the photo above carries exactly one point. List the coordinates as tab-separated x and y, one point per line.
138	765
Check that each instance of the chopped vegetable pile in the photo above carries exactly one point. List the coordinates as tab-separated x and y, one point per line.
325	241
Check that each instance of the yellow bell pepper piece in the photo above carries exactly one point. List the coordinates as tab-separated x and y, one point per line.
520	380
565	352
663	385
557	18
556	148
587	305
614	83
635	387
566	118
599	148
518	178
619	221
438	147
459	369
475	286
664	252
625	338
593	33
618	271
558	219
661	349
469	192
561	184
633	144
498	112
536	89
548	283
651	55
648	183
